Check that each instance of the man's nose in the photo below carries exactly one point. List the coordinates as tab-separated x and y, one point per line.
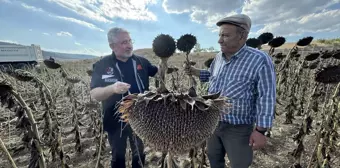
130	45
220	40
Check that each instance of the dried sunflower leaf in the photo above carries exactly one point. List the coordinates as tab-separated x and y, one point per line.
212	96
201	105
190	101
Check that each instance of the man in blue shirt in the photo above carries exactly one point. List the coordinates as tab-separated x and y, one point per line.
113	77
247	76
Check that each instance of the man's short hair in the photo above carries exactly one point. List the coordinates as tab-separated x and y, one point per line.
113	33
240	31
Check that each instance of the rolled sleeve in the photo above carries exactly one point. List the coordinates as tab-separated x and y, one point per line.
204	75
266	88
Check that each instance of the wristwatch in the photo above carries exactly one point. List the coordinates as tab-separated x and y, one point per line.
261	131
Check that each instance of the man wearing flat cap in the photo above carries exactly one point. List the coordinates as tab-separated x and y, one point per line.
245	75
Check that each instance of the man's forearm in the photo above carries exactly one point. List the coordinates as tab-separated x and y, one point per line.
102	93
196	72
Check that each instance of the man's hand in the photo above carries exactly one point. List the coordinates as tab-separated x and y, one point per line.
257	140
190	70
120	87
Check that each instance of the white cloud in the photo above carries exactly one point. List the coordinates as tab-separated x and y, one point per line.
46	34
9	41
212	7
35	9
62	33
78	44
209	21
268	11
69	19
104	10
290	17
203	11
80	22
321	22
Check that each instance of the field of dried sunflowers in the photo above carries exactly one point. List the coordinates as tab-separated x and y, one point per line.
48	118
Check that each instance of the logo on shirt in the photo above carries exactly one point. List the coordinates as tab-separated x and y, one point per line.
139	67
109	71
111	80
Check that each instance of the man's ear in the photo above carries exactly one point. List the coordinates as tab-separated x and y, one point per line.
111	46
244	36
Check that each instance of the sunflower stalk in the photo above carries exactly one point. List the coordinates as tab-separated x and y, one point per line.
320	135
48	131
8	155
36	138
163	67
282	69
203	155
62	155
58	142
101	133
75	118
193	157
170	162
185	44
304	130
192	82
290	112
49	95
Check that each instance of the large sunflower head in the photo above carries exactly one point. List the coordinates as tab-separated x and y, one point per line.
164	46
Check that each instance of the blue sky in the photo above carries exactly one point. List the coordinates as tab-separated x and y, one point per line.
80	26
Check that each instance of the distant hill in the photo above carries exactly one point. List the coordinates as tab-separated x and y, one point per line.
65	56
57	55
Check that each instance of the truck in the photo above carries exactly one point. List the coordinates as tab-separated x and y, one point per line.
19	56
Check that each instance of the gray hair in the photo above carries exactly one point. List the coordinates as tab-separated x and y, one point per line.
242	32
113	33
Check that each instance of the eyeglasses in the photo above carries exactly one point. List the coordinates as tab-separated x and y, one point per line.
125	42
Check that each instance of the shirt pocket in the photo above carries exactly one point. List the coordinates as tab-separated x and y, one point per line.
239	87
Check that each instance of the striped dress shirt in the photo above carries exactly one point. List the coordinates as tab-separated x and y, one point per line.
248	80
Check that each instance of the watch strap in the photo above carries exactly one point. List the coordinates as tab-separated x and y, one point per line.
261	131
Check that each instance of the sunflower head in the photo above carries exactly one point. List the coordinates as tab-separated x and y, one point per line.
265	37
5	88
330	74
186	42
253	42
277	42
305	41
164	46
336	54
50	63
312	56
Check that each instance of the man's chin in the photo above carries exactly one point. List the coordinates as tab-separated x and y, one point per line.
127	55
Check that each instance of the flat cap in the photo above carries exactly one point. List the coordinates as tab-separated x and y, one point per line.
240	20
